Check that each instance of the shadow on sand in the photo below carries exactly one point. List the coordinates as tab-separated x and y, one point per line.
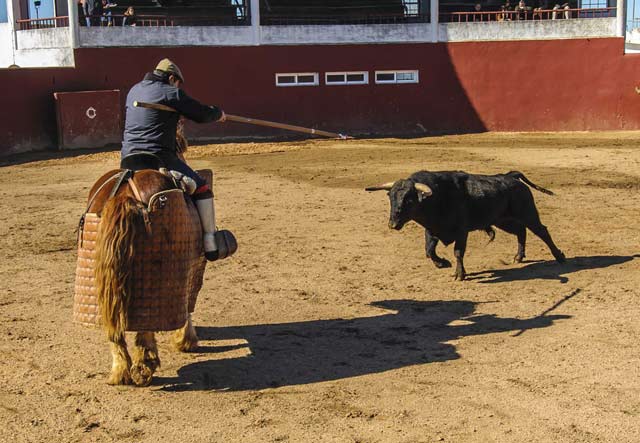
549	270
415	332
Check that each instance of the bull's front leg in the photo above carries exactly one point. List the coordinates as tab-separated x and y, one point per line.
430	248
459	250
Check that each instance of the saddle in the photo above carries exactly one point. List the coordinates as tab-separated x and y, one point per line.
141	160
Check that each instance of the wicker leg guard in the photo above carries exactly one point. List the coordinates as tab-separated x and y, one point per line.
207	213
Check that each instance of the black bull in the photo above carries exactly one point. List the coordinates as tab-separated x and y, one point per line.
451	204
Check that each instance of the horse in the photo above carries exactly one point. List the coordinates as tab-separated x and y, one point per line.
140	267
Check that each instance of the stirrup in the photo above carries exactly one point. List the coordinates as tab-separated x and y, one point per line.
227	246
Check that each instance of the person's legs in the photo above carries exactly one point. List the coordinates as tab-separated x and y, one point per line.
203	199
87	13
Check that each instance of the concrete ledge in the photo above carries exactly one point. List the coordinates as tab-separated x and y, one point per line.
528	30
43	38
345	34
166	36
45	58
96	37
36	48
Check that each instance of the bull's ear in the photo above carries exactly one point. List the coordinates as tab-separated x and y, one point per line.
424	191
383	187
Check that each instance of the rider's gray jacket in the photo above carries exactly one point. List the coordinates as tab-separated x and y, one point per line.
154	131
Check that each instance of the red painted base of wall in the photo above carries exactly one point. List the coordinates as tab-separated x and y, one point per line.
558	85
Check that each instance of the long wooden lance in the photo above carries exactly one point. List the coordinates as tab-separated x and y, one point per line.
252	121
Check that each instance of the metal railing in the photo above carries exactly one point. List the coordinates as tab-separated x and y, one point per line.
164	20
275	20
239	19
527	14
407	11
632	24
43	23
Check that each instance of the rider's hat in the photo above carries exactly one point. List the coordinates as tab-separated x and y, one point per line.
169	67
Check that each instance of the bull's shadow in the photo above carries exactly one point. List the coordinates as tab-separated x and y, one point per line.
549	270
316	351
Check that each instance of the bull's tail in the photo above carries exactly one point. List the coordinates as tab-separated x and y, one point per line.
520	176
120	223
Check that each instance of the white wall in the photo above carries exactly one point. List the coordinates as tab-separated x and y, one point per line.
528	30
165	36
6	52
345	34
43	48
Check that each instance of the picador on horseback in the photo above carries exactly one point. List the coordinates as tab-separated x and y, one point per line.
154	132
141	248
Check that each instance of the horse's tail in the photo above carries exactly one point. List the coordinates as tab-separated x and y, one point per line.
121	221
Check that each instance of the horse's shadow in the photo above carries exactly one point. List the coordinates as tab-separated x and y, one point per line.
288	354
549	270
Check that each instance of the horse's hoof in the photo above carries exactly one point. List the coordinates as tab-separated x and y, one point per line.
119	378
141	375
186	345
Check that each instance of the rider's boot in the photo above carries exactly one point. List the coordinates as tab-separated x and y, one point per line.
207	212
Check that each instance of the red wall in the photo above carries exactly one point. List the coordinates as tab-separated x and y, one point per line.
554	85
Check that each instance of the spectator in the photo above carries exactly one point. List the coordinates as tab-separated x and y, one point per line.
521	10
129	18
96	16
87	10
538	12
106	12
506	11
477	9
565	6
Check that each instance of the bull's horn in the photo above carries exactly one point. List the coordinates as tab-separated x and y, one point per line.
384	187
423	188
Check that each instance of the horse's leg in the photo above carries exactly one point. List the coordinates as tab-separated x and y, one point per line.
185	339
120	374
145	358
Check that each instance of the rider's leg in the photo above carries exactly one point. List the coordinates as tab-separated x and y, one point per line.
207	212
203	198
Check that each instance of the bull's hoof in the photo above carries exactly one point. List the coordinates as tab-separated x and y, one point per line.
141	375
460	275
560	257
518	258
442	263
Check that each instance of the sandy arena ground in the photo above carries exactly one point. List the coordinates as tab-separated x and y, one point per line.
328	327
